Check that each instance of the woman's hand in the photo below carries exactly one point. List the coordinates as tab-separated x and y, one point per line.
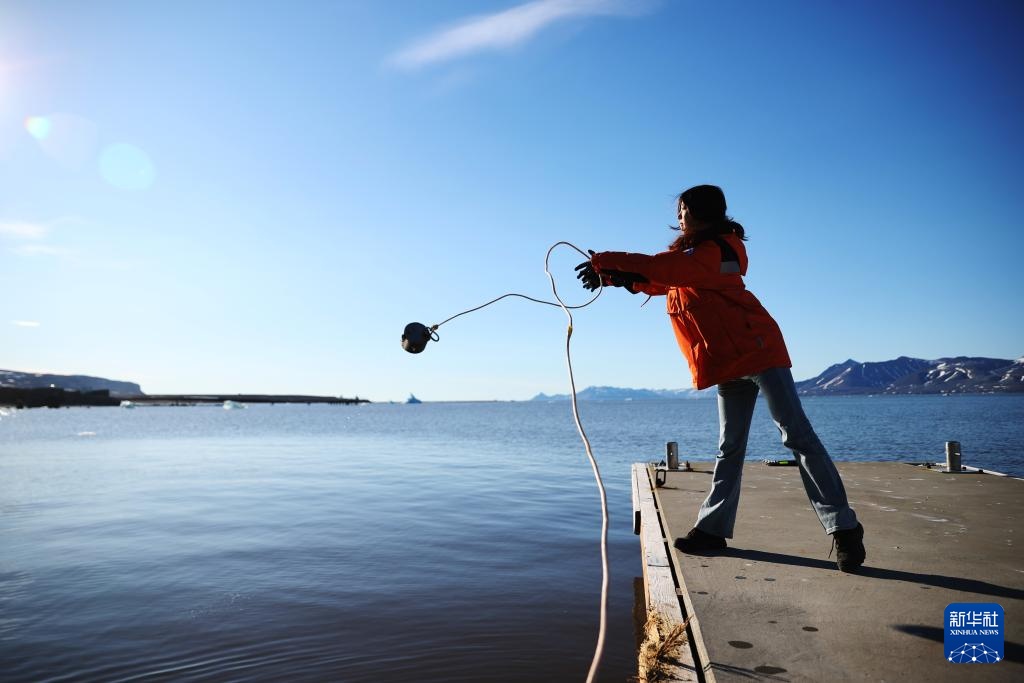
586	274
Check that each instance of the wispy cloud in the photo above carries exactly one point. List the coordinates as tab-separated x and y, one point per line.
20	230
33	238
25	323
40	250
506	29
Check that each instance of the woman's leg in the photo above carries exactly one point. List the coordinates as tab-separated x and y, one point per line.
736	401
821	479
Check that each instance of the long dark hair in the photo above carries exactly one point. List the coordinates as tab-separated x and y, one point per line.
706	203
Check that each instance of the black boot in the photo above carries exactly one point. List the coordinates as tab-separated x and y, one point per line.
697	541
849	546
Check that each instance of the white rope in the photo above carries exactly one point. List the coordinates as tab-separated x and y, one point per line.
599	649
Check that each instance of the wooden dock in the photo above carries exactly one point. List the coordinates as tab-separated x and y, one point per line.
773	607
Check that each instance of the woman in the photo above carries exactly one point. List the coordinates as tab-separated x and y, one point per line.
729	339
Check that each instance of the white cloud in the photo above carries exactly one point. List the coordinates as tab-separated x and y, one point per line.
40	250
506	29
21	230
25	323
28	238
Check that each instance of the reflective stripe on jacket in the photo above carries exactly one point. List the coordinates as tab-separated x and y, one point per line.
722	329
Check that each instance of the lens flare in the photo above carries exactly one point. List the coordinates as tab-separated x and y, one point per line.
38	127
68	139
127	167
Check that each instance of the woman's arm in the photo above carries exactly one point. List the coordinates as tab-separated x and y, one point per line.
699	267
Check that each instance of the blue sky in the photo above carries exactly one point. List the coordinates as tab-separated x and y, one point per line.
240	197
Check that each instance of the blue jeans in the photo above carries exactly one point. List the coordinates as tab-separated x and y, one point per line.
821	479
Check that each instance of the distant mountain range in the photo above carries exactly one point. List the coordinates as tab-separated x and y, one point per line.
903	375
960	375
12	379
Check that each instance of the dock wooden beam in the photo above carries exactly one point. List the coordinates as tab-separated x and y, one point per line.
669	636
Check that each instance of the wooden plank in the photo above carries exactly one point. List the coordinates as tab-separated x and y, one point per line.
697	642
663	610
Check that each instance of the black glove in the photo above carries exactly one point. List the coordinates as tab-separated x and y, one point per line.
618	278
587	275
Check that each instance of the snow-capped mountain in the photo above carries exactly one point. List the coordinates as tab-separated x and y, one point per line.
960	375
903	375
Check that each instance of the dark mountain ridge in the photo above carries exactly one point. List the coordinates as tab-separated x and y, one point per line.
12	379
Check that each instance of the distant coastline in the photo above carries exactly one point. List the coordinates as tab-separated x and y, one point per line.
40	390
56	397
900	376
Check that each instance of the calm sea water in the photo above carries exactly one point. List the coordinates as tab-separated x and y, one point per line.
437	542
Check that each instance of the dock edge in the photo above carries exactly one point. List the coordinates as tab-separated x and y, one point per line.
668	606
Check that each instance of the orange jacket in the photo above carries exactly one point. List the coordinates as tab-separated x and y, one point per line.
722	329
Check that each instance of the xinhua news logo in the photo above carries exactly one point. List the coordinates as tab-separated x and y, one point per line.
974	633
